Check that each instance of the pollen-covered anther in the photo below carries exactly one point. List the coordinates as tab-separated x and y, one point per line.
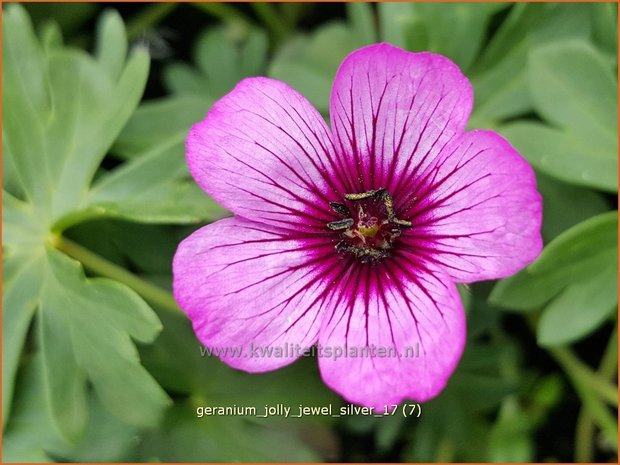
369	225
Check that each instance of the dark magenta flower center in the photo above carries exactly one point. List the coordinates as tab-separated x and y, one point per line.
368	226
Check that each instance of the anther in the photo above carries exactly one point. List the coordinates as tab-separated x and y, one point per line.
340	208
340	225
364	195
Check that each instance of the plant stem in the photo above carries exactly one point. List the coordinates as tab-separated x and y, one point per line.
103	267
609	361
591	388
584	433
584	375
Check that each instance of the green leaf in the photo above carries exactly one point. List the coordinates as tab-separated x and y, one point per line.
388	430
500	77
155	185
183	79
579	309
605	27
529	25
51	36
105	438
525	291
591	241
64	381
30	436
500	93
179	365
578	271
158	122
511	439
185	438
10	183
565	205
457	419
588	301
63	111
154	188
111	48
25	96
564	154
455	30
572	88
224	56
309	62
395	18
30	433
362	21
22	279
96	319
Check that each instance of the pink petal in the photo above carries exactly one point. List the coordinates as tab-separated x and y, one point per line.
405	313
245	285
478	214
266	154
391	110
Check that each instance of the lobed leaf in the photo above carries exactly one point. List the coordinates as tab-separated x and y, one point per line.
574	89
224	56
185	438
309	62
500	75
63	111
575	279
111	48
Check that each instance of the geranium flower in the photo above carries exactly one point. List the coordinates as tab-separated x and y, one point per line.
353	237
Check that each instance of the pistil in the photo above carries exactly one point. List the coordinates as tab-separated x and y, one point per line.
368	226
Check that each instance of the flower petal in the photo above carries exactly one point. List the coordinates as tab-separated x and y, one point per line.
414	321
476	211
247	287
265	153
392	109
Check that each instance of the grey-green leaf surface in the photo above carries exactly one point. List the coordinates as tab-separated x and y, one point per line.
186	438
111	42
309	62
574	279
155	188
510	439
157	122
565	205
456	30
63	109
22	279
224	56
500	75
574	87
30	433
574	90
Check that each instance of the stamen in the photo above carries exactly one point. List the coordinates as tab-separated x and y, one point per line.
340	225
404	223
369	226
340	208
364	195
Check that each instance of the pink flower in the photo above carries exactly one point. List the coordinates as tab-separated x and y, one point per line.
353	237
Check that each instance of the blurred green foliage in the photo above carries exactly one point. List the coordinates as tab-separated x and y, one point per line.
94	172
